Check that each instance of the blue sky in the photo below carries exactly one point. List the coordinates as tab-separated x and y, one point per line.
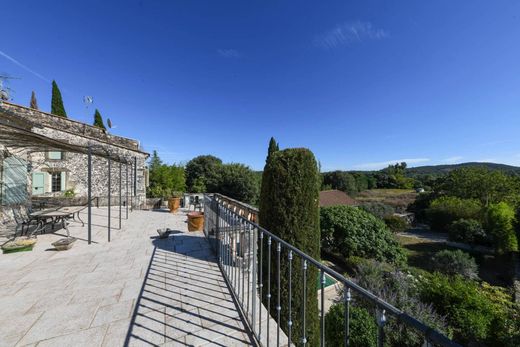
360	83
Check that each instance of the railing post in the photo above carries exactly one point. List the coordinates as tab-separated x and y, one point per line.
381	320
289	323
268	287
304	299
261	283
348	298
254	284
278	307
322	317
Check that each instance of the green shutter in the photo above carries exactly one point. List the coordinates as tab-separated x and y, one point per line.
63	174
55	155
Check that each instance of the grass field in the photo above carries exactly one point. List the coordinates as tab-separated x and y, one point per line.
420	252
399	198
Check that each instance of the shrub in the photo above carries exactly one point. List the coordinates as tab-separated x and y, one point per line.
396	223
445	210
477	314
289	209
353	232
455	263
69	193
468	231
206	168
363	328
238	182
399	289
378	209
500	219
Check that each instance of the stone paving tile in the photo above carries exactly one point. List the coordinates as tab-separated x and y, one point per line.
59	321
137	289
12	328
84	338
111	313
116	333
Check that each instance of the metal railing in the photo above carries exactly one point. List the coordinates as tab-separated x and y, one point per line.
242	245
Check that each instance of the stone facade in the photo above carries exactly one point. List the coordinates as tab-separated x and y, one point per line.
73	166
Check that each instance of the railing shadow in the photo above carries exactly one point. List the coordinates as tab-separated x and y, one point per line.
184	299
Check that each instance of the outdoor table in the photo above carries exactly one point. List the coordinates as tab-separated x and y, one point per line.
57	214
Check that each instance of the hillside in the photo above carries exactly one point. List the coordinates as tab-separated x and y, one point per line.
443	169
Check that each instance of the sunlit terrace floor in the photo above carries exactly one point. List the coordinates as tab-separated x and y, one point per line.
136	290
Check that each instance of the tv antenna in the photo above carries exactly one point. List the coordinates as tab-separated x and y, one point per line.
5	91
88	100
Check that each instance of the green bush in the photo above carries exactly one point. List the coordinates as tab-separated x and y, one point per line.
206	168
363	328
468	231
399	289
69	193
238	182
396	223
378	209
500	221
289	209
165	180
455	263
353	232
470	312
445	210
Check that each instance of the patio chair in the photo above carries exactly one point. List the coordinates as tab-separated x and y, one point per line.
198	203
22	219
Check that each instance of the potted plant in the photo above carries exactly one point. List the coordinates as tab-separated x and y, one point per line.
163	233
174	202
64	243
20	244
195	221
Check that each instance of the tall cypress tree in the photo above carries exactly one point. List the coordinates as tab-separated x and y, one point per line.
34	103
98	120
289	209
273	147
57	107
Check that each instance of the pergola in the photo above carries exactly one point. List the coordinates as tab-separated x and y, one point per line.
20	135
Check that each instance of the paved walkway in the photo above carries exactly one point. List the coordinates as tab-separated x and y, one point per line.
137	290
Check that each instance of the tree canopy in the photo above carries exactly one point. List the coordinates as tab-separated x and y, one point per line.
98	120
57	107
34	102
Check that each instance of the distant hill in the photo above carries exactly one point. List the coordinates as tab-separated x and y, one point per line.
444	169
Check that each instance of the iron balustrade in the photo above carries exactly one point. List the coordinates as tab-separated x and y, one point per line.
239	243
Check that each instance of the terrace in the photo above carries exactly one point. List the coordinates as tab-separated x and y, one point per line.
122	285
190	289
135	290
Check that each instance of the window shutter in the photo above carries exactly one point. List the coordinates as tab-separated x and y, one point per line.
63	174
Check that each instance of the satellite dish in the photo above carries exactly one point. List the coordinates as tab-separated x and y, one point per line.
109	123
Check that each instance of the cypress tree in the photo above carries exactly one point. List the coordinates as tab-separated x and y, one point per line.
273	147
57	107
289	209
98	120
34	103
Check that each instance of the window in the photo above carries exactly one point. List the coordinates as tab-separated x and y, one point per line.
56	182
53	155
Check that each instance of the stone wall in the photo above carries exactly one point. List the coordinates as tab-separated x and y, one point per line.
75	164
49	120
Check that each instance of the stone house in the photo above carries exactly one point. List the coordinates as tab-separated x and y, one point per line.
32	172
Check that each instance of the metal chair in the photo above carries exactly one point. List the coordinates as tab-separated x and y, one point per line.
22	219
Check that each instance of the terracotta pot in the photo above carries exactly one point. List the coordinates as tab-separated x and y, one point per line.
174	204
195	221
